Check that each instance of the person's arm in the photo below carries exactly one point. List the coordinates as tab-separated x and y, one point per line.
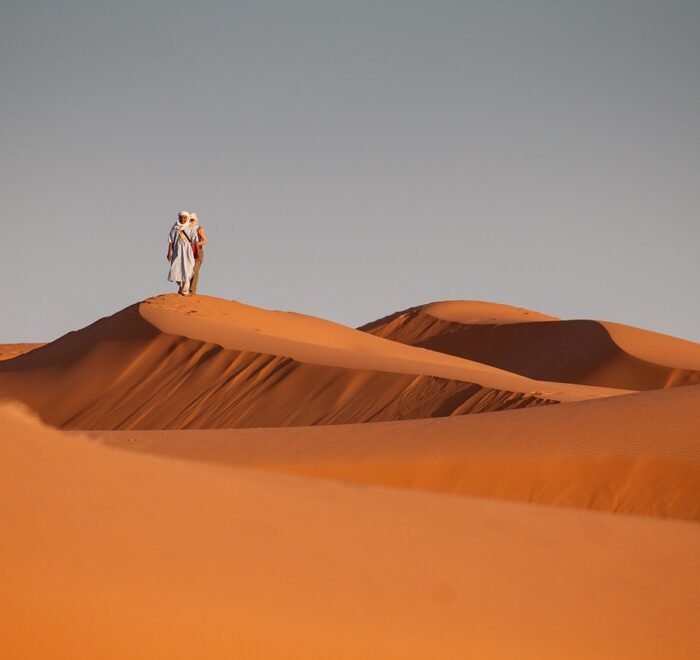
170	251
202	236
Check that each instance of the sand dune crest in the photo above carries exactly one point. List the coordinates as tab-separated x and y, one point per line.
593	353
173	362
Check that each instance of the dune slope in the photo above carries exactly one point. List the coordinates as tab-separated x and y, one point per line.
173	362
9	351
108	554
545	348
637	454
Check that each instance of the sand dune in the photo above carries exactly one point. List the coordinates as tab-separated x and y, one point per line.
635	454
110	554
350	539
311	340
173	362
545	348
9	351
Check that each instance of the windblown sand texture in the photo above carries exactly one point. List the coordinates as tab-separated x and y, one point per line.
246	483
174	362
636	454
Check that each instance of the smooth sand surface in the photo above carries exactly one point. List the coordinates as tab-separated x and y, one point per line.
646	345
638	453
9	351
655	347
312	340
602	354
175	362
111	554
240	327
475	312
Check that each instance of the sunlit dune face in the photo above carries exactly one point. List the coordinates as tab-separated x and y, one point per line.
380	514
112	554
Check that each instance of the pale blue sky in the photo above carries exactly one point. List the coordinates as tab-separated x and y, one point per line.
350	159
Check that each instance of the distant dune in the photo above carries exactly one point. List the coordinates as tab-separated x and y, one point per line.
110	554
542	347
202	362
9	351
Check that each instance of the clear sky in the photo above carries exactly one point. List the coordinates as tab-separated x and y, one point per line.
352	158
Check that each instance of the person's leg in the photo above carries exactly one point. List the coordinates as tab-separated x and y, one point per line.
195	274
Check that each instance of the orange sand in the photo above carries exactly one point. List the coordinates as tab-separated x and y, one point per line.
9	351
110	554
201	362
634	454
350	540
541	347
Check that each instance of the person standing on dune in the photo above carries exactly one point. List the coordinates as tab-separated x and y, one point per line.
198	248
180	253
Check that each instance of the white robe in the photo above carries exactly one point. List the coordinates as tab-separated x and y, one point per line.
182	261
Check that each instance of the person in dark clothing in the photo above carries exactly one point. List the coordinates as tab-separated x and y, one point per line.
198	247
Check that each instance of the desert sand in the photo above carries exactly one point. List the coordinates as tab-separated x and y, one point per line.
542	347
228	481
635	454
174	362
9	351
112	554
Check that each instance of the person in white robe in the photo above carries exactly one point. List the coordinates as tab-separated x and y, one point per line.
180	254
